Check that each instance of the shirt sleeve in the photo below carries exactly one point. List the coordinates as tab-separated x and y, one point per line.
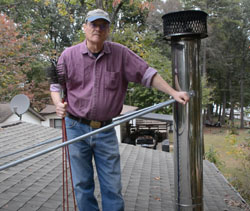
137	70
55	87
148	76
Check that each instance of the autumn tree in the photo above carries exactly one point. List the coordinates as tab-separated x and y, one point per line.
60	23
16	53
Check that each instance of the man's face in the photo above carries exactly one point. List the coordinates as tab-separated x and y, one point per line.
96	31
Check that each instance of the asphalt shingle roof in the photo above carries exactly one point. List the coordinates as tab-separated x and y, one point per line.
147	177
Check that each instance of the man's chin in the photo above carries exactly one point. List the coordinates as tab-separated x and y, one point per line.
96	36
97	40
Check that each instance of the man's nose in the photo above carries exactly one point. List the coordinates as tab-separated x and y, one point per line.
98	27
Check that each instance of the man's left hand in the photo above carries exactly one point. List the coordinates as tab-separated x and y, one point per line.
181	97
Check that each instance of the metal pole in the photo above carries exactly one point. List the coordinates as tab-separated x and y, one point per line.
53	148
135	112
187	127
185	29
32	147
60	137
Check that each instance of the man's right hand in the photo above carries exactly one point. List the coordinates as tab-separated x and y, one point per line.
61	109
60	106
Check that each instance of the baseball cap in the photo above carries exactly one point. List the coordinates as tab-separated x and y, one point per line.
97	14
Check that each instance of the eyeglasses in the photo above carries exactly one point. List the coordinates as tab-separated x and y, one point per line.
102	26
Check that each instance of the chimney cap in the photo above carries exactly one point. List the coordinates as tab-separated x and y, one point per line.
187	23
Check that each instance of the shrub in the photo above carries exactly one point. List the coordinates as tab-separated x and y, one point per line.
233	131
212	156
231	139
240	181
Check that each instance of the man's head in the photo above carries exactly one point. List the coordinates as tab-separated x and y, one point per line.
97	14
97	26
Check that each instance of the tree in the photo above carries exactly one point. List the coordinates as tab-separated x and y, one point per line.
160	8
244	40
59	20
227	50
143	45
59	24
17	54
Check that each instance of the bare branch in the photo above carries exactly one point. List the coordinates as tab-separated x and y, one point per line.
116	12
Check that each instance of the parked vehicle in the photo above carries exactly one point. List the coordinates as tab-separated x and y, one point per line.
144	138
146	141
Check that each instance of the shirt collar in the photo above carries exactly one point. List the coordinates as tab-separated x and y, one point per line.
85	50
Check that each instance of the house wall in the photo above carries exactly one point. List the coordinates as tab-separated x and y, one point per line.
121	131
46	123
118	133
26	117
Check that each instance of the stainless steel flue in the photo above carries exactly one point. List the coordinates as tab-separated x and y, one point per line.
185	29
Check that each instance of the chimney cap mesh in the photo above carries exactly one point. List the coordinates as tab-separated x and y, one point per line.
187	23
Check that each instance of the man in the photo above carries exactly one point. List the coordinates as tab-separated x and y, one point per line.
96	74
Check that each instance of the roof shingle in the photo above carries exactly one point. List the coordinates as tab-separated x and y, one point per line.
147	176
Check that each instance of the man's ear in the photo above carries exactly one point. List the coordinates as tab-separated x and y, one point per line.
84	27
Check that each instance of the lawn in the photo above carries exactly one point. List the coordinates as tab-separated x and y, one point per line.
231	154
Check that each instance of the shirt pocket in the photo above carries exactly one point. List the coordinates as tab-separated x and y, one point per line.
111	80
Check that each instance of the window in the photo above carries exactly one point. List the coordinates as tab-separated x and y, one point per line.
56	123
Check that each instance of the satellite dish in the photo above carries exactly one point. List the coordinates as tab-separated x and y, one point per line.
19	104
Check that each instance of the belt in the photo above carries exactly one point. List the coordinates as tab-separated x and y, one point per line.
92	123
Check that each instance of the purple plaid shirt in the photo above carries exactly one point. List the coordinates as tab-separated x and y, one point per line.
96	87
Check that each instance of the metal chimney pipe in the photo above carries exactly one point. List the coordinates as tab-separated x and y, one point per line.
185	29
